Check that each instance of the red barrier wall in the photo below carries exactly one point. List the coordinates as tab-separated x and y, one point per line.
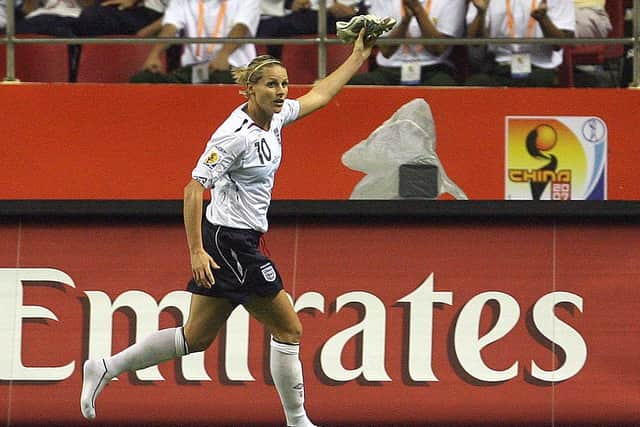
64	141
419	297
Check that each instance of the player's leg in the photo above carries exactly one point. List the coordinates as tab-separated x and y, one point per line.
276	313
206	316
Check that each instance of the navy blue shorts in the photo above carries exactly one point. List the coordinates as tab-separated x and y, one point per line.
243	271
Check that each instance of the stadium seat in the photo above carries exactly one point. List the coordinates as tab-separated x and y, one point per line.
38	62
111	63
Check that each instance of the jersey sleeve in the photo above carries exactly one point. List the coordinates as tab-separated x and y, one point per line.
221	153
290	111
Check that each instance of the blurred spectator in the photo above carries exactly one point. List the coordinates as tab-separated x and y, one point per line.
201	62
3	15
271	8
300	17
49	17
520	64
592	19
143	18
416	64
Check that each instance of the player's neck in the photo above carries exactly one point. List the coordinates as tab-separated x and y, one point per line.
259	116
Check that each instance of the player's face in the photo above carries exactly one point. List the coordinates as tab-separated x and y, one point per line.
272	89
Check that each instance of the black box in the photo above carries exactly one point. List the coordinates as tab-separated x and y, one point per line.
418	181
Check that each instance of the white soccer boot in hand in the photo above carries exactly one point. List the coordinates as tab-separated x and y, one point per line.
95	377
373	26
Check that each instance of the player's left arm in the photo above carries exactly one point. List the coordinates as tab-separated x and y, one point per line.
323	91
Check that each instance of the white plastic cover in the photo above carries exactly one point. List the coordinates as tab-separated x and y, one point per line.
408	136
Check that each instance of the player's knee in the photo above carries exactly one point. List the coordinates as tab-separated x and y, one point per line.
198	344
289	334
197	341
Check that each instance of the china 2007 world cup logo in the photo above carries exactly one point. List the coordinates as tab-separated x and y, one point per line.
555	158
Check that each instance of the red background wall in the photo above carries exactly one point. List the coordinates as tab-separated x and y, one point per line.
141	142
525	260
125	142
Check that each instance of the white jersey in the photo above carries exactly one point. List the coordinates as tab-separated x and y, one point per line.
239	166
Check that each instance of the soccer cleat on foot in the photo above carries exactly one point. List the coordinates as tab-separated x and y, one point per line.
374	27
93	381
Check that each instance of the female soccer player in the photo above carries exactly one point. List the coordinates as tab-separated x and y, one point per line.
238	165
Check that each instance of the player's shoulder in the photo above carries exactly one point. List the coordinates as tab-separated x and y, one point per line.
290	110
234	126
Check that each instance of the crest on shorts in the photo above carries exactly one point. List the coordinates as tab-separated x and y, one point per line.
268	272
213	158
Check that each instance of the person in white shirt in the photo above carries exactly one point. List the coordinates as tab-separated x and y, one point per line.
416	64
204	62
300	17
238	165
520	64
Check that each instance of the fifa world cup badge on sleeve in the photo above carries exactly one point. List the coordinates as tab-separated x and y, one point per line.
213	158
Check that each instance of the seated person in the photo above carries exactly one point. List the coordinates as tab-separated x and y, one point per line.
143	18
416	64
592	19
49	17
3	15
271	8
204	62
301	18
520	64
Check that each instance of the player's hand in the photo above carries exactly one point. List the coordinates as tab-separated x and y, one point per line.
121	4
202	266
363	45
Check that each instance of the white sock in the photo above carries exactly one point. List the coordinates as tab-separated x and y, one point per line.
157	347
286	371
162	345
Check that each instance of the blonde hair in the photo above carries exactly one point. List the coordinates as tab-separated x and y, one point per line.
253	72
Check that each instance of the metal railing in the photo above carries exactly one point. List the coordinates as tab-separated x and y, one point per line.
322	41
